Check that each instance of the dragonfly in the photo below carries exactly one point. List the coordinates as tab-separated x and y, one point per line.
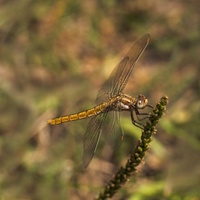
110	97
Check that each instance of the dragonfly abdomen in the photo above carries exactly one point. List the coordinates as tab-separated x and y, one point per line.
81	115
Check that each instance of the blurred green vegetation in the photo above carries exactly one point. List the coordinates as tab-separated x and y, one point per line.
54	56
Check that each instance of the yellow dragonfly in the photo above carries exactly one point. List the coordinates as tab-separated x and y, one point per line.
110	97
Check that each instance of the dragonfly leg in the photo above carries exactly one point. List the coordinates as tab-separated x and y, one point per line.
122	132
118	122
150	106
139	115
135	123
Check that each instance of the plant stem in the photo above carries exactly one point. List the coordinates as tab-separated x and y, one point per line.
137	156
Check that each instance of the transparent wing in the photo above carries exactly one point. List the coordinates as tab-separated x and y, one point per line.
120	75
91	137
106	124
111	129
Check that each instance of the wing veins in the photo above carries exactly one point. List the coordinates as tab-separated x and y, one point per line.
119	77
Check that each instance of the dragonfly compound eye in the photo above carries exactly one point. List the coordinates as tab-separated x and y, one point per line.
141	102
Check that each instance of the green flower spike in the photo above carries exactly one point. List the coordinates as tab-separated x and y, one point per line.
137	156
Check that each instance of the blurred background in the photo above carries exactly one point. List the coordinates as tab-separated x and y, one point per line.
55	55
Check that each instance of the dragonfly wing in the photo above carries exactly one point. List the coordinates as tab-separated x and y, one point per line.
120	75
133	55
109	87
111	129
91	137
106	124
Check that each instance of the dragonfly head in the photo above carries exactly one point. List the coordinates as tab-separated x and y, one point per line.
142	102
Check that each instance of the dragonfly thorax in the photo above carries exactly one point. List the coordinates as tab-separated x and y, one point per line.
121	106
122	102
